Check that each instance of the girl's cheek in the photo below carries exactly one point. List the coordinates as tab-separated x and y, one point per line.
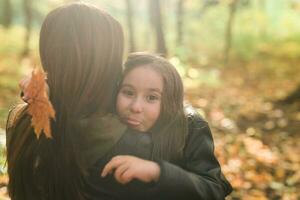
156	111
120	103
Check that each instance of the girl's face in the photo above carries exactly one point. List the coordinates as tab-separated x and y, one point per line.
139	98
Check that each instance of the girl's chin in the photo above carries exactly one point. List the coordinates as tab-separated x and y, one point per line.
139	128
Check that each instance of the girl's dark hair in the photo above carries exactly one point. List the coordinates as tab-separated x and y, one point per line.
169	132
81	50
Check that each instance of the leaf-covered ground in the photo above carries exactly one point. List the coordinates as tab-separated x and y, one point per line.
257	140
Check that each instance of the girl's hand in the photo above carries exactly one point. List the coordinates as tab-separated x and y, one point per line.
126	168
23	84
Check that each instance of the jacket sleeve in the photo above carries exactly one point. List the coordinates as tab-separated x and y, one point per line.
200	176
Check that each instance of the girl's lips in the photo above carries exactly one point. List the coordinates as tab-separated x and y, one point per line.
133	122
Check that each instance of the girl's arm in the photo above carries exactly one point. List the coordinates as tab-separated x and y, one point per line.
201	176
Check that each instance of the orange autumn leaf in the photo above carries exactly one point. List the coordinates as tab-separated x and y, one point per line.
40	108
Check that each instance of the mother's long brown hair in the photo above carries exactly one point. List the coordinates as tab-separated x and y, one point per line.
81	50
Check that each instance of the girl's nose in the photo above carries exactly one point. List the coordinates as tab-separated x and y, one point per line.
136	106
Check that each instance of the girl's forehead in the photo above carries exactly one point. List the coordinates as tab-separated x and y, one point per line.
143	70
143	77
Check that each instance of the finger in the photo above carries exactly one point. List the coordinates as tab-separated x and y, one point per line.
111	165
24	82
120	170
127	176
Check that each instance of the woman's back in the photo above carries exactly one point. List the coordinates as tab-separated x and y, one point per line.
81	51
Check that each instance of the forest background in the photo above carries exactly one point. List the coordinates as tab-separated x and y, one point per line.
239	60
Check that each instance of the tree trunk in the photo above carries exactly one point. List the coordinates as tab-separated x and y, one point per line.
292	97
70	1
205	5
27	8
228	33
131	30
7	13
155	16
180	11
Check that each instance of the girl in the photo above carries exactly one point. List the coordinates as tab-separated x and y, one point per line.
180	163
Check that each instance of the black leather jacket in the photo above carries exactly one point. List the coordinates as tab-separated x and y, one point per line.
197	176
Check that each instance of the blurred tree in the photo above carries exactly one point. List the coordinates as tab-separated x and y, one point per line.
70	1
27	9
7	13
206	4
292	97
130	25
228	33
180	12
156	21
210	2
247	3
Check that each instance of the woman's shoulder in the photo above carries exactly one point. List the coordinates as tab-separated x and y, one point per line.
97	136
15	114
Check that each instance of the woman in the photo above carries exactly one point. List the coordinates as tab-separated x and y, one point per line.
81	50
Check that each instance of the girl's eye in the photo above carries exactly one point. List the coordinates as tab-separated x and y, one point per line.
152	98
128	93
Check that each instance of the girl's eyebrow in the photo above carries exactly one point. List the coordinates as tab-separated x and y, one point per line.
155	90
127	85
149	89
